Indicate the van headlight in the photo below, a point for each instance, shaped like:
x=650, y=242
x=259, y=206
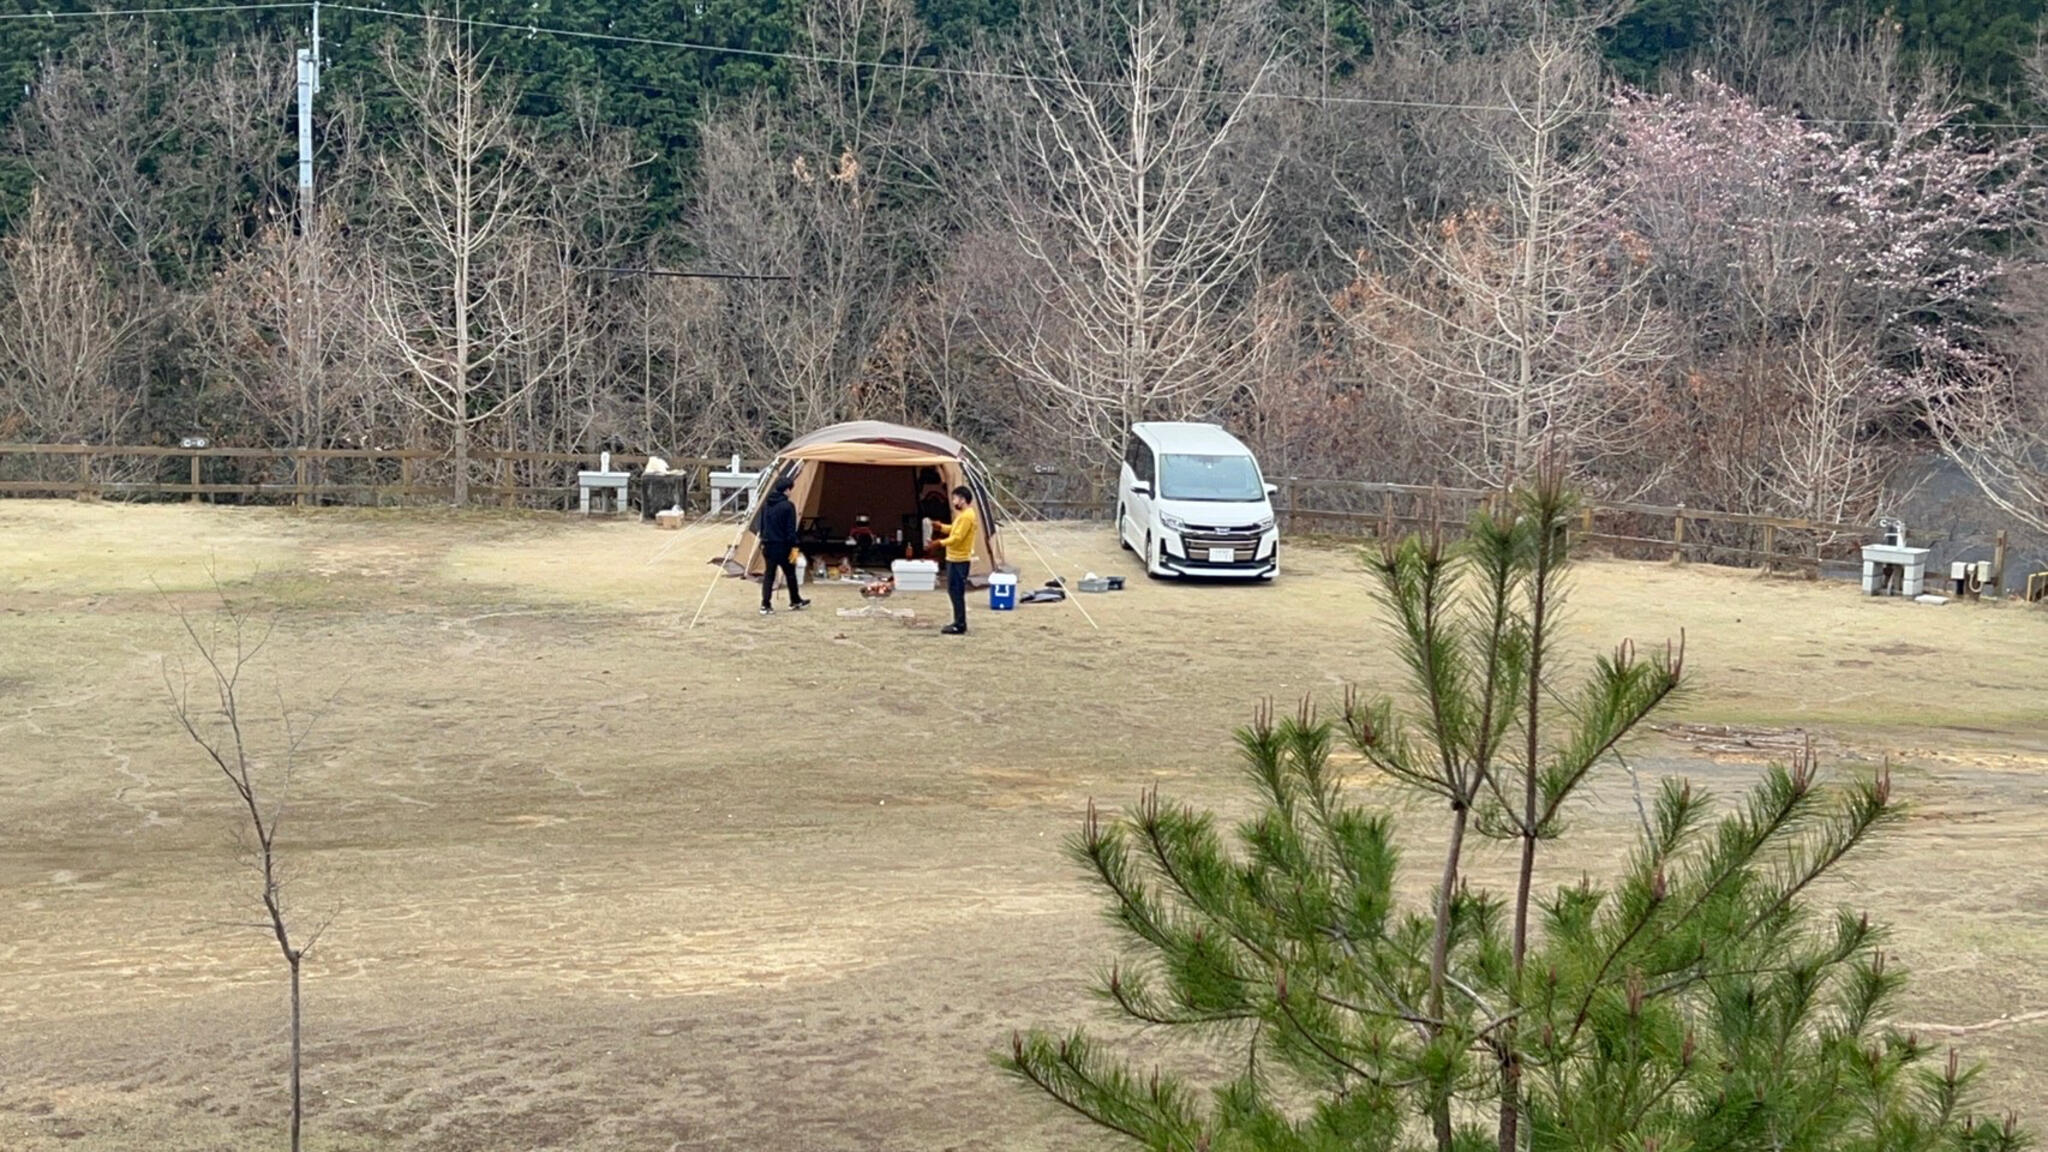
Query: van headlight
x=1172, y=523
x=1263, y=526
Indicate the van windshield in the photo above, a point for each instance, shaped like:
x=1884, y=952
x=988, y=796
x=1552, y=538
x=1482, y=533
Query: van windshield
x=1219, y=478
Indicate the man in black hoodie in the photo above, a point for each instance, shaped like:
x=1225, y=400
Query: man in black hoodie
x=778, y=545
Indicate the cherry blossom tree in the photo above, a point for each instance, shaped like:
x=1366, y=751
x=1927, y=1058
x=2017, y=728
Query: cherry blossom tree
x=1850, y=281
x=1910, y=225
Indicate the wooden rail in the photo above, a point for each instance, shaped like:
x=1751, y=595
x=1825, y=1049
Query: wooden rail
x=87, y=475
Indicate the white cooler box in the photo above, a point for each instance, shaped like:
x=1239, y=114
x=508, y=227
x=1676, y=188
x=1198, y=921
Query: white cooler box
x=916, y=575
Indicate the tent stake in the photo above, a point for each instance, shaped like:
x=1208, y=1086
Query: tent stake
x=995, y=485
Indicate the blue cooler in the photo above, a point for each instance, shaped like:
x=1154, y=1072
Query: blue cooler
x=1002, y=592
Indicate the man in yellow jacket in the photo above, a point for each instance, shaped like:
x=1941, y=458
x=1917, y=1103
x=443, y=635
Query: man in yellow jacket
x=959, y=539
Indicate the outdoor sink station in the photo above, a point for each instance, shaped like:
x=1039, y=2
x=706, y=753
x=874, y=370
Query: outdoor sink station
x=1891, y=552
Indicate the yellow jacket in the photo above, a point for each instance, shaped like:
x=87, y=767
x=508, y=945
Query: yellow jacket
x=959, y=536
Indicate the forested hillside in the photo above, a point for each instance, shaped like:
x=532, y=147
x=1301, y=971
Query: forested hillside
x=1739, y=254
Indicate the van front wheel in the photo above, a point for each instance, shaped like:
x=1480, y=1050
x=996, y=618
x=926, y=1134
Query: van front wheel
x=1123, y=540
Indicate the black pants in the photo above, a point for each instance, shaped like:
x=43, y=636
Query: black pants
x=778, y=558
x=956, y=587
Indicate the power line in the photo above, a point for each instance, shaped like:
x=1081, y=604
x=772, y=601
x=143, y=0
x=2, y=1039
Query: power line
x=937, y=70
x=103, y=13
x=680, y=273
x=933, y=70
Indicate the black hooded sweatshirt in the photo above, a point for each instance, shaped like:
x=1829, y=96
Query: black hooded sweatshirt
x=778, y=521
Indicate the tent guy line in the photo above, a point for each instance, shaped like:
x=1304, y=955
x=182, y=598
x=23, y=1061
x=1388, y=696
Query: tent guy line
x=997, y=486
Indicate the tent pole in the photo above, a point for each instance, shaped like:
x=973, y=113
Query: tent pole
x=720, y=574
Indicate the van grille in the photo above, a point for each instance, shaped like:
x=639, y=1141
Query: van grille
x=1243, y=542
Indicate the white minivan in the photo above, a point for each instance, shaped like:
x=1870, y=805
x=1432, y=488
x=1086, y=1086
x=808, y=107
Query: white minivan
x=1191, y=501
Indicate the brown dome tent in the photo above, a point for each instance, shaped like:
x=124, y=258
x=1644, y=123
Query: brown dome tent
x=892, y=475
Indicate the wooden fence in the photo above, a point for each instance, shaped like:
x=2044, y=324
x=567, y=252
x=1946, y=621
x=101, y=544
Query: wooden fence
x=1310, y=506
x=1359, y=509
x=310, y=475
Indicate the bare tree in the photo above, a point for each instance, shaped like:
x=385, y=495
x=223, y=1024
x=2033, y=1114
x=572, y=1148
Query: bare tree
x=224, y=731
x=1405, y=150
x=803, y=191
x=1996, y=431
x=1525, y=327
x=62, y=333
x=95, y=116
x=1140, y=249
x=684, y=401
x=1831, y=64
x=283, y=325
x=1826, y=465
x=1306, y=417
x=162, y=163
x=762, y=210
x=459, y=262
x=1999, y=437
x=947, y=321
x=568, y=308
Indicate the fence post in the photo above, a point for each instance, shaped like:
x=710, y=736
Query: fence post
x=299, y=480
x=1998, y=565
x=404, y=479
x=1293, y=506
x=1387, y=525
x=1586, y=524
x=192, y=497
x=1770, y=548
x=85, y=491
x=1678, y=536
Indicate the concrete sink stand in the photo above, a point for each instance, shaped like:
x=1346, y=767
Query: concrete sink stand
x=1894, y=551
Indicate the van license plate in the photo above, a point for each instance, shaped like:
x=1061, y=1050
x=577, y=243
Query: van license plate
x=1222, y=555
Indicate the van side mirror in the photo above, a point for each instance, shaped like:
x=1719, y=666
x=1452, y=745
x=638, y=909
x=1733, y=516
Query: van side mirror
x=1272, y=490
x=1141, y=488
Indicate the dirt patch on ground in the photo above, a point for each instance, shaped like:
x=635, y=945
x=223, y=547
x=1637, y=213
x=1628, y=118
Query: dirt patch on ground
x=601, y=880
x=1749, y=742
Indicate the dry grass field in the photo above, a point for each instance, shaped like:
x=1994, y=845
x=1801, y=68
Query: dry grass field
x=598, y=880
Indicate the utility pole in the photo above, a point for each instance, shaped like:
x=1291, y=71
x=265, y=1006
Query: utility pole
x=309, y=86
x=309, y=431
